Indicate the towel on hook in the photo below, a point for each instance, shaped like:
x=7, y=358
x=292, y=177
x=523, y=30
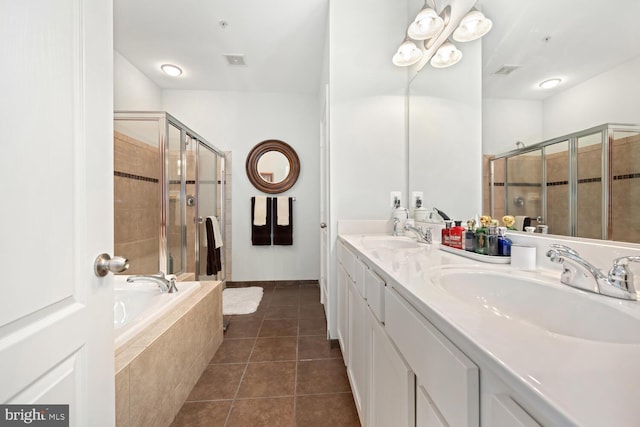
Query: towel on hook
x=217, y=234
x=283, y=211
x=259, y=209
x=522, y=222
x=283, y=234
x=261, y=234
x=214, y=256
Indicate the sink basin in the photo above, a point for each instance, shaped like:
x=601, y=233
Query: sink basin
x=390, y=242
x=552, y=307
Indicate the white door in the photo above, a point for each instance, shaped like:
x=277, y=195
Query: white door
x=56, y=133
x=324, y=204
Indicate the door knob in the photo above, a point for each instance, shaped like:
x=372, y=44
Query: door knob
x=105, y=264
x=323, y=225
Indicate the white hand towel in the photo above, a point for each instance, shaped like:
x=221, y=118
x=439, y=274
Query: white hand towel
x=519, y=224
x=217, y=235
x=283, y=211
x=260, y=211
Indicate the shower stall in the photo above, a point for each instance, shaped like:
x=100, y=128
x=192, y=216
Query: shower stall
x=585, y=184
x=167, y=181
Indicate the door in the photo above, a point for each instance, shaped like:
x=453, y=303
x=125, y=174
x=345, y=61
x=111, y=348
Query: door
x=56, y=315
x=324, y=203
x=209, y=183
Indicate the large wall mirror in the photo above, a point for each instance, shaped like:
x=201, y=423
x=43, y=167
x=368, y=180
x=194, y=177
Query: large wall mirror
x=273, y=166
x=532, y=41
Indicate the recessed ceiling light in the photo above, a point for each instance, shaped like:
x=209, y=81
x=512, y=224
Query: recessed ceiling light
x=551, y=83
x=171, y=70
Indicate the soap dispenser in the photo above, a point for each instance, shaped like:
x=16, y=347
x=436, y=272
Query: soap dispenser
x=400, y=216
x=420, y=213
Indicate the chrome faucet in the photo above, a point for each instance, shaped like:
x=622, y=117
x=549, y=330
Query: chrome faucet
x=580, y=273
x=423, y=236
x=165, y=284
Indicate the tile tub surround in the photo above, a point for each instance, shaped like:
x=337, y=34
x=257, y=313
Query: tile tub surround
x=136, y=202
x=275, y=367
x=156, y=372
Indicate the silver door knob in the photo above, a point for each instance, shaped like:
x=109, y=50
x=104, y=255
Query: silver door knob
x=323, y=225
x=105, y=264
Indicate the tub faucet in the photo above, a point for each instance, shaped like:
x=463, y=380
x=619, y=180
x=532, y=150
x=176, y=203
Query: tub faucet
x=165, y=284
x=580, y=273
x=423, y=236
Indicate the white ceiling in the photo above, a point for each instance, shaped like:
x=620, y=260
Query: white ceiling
x=283, y=42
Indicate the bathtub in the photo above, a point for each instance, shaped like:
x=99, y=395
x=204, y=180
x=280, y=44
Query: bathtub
x=138, y=305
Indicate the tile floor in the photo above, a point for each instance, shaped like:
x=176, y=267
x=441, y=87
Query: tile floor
x=274, y=368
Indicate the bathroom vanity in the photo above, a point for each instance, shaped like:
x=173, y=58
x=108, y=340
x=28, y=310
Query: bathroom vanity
x=432, y=338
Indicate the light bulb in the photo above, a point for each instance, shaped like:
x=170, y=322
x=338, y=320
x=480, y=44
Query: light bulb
x=171, y=70
x=446, y=56
x=408, y=54
x=426, y=25
x=473, y=26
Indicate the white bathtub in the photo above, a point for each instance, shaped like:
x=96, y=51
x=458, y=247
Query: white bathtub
x=138, y=305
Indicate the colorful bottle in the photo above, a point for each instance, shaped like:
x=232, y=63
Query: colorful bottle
x=456, y=234
x=492, y=241
x=481, y=235
x=504, y=243
x=470, y=236
x=446, y=236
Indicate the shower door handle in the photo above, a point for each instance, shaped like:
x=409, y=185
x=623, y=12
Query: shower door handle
x=198, y=220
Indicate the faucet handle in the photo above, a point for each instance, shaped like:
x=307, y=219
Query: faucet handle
x=563, y=248
x=620, y=276
x=625, y=260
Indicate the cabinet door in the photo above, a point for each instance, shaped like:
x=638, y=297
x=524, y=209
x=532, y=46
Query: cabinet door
x=427, y=415
x=343, y=307
x=507, y=413
x=449, y=376
x=374, y=292
x=358, y=360
x=392, y=383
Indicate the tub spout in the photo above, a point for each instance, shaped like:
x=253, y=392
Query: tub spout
x=166, y=284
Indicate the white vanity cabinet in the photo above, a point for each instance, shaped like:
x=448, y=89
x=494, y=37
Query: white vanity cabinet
x=392, y=383
x=357, y=347
x=448, y=377
x=507, y=413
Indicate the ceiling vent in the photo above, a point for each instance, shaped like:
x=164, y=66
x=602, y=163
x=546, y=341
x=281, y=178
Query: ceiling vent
x=505, y=70
x=235, y=59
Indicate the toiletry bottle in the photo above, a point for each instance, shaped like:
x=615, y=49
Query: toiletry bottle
x=470, y=236
x=492, y=241
x=481, y=235
x=446, y=236
x=504, y=243
x=455, y=235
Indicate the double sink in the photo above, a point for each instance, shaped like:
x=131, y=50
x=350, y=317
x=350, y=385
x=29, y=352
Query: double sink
x=537, y=299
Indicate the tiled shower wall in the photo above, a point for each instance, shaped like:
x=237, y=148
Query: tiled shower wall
x=136, y=203
x=625, y=193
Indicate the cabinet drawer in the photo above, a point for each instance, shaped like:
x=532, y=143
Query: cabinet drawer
x=349, y=262
x=507, y=413
x=359, y=272
x=449, y=377
x=374, y=293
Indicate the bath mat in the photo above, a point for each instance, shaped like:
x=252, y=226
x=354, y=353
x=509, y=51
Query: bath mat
x=241, y=300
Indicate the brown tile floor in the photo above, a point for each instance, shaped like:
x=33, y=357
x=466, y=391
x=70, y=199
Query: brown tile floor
x=275, y=367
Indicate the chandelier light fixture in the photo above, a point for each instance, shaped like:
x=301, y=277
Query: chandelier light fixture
x=432, y=30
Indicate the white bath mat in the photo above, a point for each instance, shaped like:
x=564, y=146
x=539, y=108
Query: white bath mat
x=241, y=300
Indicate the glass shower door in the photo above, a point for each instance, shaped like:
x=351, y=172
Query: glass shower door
x=174, y=209
x=209, y=185
x=624, y=180
x=524, y=185
x=588, y=206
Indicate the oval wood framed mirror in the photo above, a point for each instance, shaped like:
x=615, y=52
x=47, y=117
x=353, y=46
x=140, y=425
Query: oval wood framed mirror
x=273, y=166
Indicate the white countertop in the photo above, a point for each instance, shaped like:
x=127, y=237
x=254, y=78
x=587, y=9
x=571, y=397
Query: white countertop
x=571, y=381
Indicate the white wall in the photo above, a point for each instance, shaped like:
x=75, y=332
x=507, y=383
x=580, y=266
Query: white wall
x=506, y=121
x=445, y=125
x=367, y=134
x=611, y=97
x=237, y=121
x=132, y=90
